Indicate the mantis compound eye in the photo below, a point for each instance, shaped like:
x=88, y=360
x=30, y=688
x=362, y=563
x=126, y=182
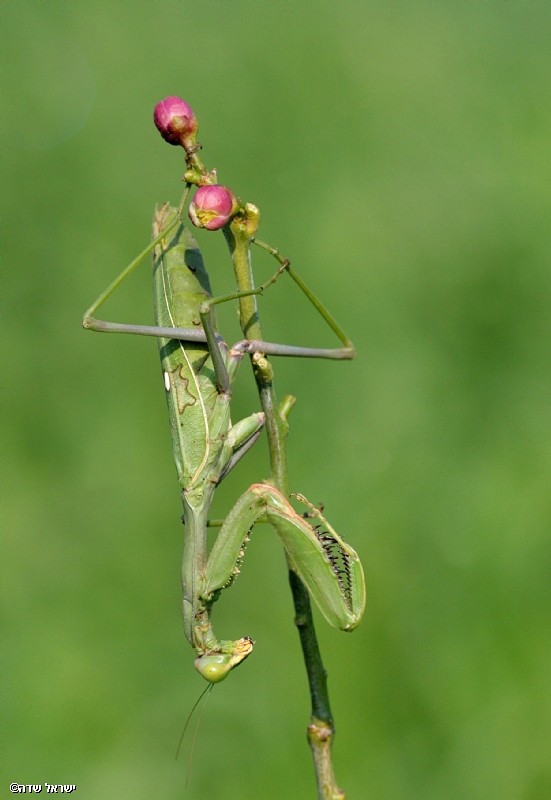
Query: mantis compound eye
x=214, y=668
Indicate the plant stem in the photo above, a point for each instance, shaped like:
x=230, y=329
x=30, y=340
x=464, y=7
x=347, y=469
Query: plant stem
x=321, y=729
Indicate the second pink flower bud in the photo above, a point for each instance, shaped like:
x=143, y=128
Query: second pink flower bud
x=212, y=207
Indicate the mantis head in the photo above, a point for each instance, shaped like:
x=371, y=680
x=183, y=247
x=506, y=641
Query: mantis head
x=214, y=667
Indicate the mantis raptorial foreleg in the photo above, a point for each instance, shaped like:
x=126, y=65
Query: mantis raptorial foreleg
x=328, y=566
x=198, y=372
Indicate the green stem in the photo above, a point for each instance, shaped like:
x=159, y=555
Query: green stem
x=321, y=729
x=276, y=425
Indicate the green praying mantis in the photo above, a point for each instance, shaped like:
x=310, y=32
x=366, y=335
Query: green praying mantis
x=198, y=373
x=199, y=370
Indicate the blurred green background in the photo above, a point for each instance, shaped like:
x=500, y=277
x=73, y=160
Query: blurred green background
x=399, y=153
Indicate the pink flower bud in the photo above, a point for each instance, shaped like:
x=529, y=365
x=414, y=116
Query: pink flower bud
x=175, y=121
x=212, y=207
